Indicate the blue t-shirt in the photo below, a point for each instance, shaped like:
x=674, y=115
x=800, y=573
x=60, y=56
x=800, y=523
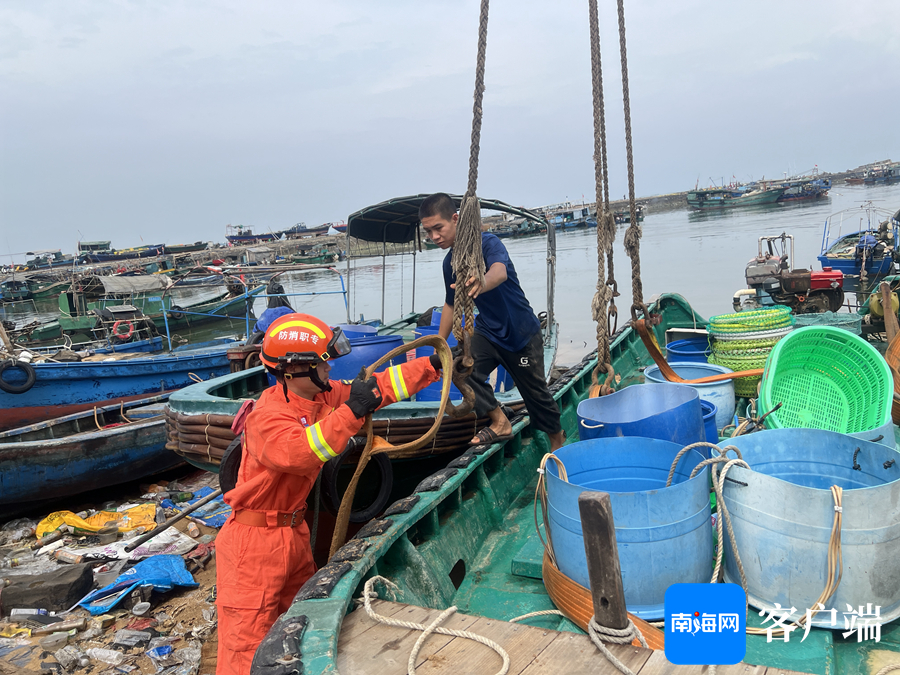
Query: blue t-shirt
x=504, y=315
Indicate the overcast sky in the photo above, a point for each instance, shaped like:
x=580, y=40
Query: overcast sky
x=165, y=121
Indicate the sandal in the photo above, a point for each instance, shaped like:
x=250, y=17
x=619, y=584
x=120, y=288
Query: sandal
x=488, y=436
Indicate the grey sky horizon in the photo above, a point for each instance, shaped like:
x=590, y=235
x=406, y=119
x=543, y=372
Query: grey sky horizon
x=163, y=122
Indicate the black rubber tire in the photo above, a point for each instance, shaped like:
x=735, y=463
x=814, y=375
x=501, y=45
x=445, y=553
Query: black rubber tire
x=231, y=464
x=331, y=495
x=30, y=377
x=176, y=312
x=255, y=338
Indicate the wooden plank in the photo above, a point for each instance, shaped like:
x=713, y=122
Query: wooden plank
x=658, y=665
x=521, y=642
x=357, y=622
x=576, y=655
x=385, y=649
x=604, y=571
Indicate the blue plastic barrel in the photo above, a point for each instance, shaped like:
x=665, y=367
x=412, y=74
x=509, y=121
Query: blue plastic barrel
x=356, y=330
x=783, y=514
x=709, y=422
x=364, y=352
x=669, y=412
x=721, y=394
x=663, y=534
x=693, y=349
x=433, y=391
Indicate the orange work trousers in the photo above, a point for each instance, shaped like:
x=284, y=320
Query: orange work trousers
x=258, y=572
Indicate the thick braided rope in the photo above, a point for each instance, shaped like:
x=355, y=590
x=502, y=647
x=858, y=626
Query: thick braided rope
x=888, y=668
x=600, y=634
x=543, y=612
x=633, y=233
x=467, y=260
x=434, y=627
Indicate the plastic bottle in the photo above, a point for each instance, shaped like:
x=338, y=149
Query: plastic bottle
x=22, y=611
x=109, y=656
x=56, y=535
x=68, y=557
x=193, y=530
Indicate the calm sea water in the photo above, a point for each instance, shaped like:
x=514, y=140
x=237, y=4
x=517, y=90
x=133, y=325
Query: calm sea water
x=699, y=255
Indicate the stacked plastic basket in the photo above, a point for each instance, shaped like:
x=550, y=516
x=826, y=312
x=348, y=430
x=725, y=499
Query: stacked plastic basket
x=743, y=341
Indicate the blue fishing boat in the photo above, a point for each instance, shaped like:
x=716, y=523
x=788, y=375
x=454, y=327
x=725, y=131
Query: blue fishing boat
x=861, y=239
x=32, y=393
x=89, y=450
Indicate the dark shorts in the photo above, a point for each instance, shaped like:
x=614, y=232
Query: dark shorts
x=526, y=367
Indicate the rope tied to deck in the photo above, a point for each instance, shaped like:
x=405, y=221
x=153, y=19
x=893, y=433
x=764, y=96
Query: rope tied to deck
x=434, y=627
x=600, y=634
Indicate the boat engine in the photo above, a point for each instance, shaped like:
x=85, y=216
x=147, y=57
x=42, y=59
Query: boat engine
x=772, y=281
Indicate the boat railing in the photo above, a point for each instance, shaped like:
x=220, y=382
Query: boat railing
x=248, y=296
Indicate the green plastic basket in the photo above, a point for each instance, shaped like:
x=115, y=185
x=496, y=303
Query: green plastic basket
x=826, y=378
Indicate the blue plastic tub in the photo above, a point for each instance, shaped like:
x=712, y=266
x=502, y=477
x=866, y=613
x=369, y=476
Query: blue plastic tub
x=709, y=422
x=783, y=515
x=721, y=394
x=694, y=349
x=663, y=534
x=669, y=412
x=357, y=330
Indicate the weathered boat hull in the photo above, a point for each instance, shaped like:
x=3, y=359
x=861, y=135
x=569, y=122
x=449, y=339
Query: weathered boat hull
x=65, y=388
x=35, y=465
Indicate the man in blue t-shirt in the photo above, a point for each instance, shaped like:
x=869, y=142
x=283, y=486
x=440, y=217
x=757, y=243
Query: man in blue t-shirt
x=507, y=332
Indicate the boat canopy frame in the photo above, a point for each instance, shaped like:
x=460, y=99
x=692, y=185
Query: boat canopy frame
x=396, y=221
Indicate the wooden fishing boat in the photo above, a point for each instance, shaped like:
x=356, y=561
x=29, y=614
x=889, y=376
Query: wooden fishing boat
x=625, y=216
x=13, y=290
x=466, y=538
x=84, y=307
x=85, y=451
x=863, y=238
x=32, y=393
x=725, y=198
x=185, y=248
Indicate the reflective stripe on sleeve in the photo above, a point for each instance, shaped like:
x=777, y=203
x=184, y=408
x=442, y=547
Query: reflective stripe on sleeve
x=398, y=383
x=318, y=443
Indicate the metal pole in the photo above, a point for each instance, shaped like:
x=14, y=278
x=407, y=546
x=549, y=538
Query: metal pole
x=349, y=276
x=551, y=275
x=383, y=272
x=412, y=306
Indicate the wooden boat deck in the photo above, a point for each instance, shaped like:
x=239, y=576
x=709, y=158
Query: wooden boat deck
x=365, y=646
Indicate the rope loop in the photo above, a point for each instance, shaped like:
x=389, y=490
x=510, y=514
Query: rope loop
x=600, y=634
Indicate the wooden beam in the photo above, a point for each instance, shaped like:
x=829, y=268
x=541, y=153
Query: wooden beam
x=604, y=571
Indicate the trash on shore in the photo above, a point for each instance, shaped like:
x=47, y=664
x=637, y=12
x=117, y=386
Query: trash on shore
x=75, y=601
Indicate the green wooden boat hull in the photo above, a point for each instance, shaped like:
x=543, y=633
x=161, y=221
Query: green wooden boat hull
x=467, y=539
x=750, y=199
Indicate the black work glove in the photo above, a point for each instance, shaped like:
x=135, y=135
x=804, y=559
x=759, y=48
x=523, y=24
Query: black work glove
x=435, y=359
x=364, y=395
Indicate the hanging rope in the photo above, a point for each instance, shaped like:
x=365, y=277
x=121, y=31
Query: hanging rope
x=468, y=261
x=603, y=306
x=633, y=234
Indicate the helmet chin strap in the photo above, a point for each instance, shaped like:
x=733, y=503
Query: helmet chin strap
x=312, y=374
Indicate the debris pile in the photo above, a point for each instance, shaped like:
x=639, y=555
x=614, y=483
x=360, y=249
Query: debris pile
x=80, y=593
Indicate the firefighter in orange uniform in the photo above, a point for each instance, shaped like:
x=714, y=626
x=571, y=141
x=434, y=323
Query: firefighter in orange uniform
x=263, y=553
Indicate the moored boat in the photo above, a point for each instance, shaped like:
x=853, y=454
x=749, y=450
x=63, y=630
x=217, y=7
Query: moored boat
x=32, y=393
x=861, y=240
x=726, y=198
x=94, y=449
